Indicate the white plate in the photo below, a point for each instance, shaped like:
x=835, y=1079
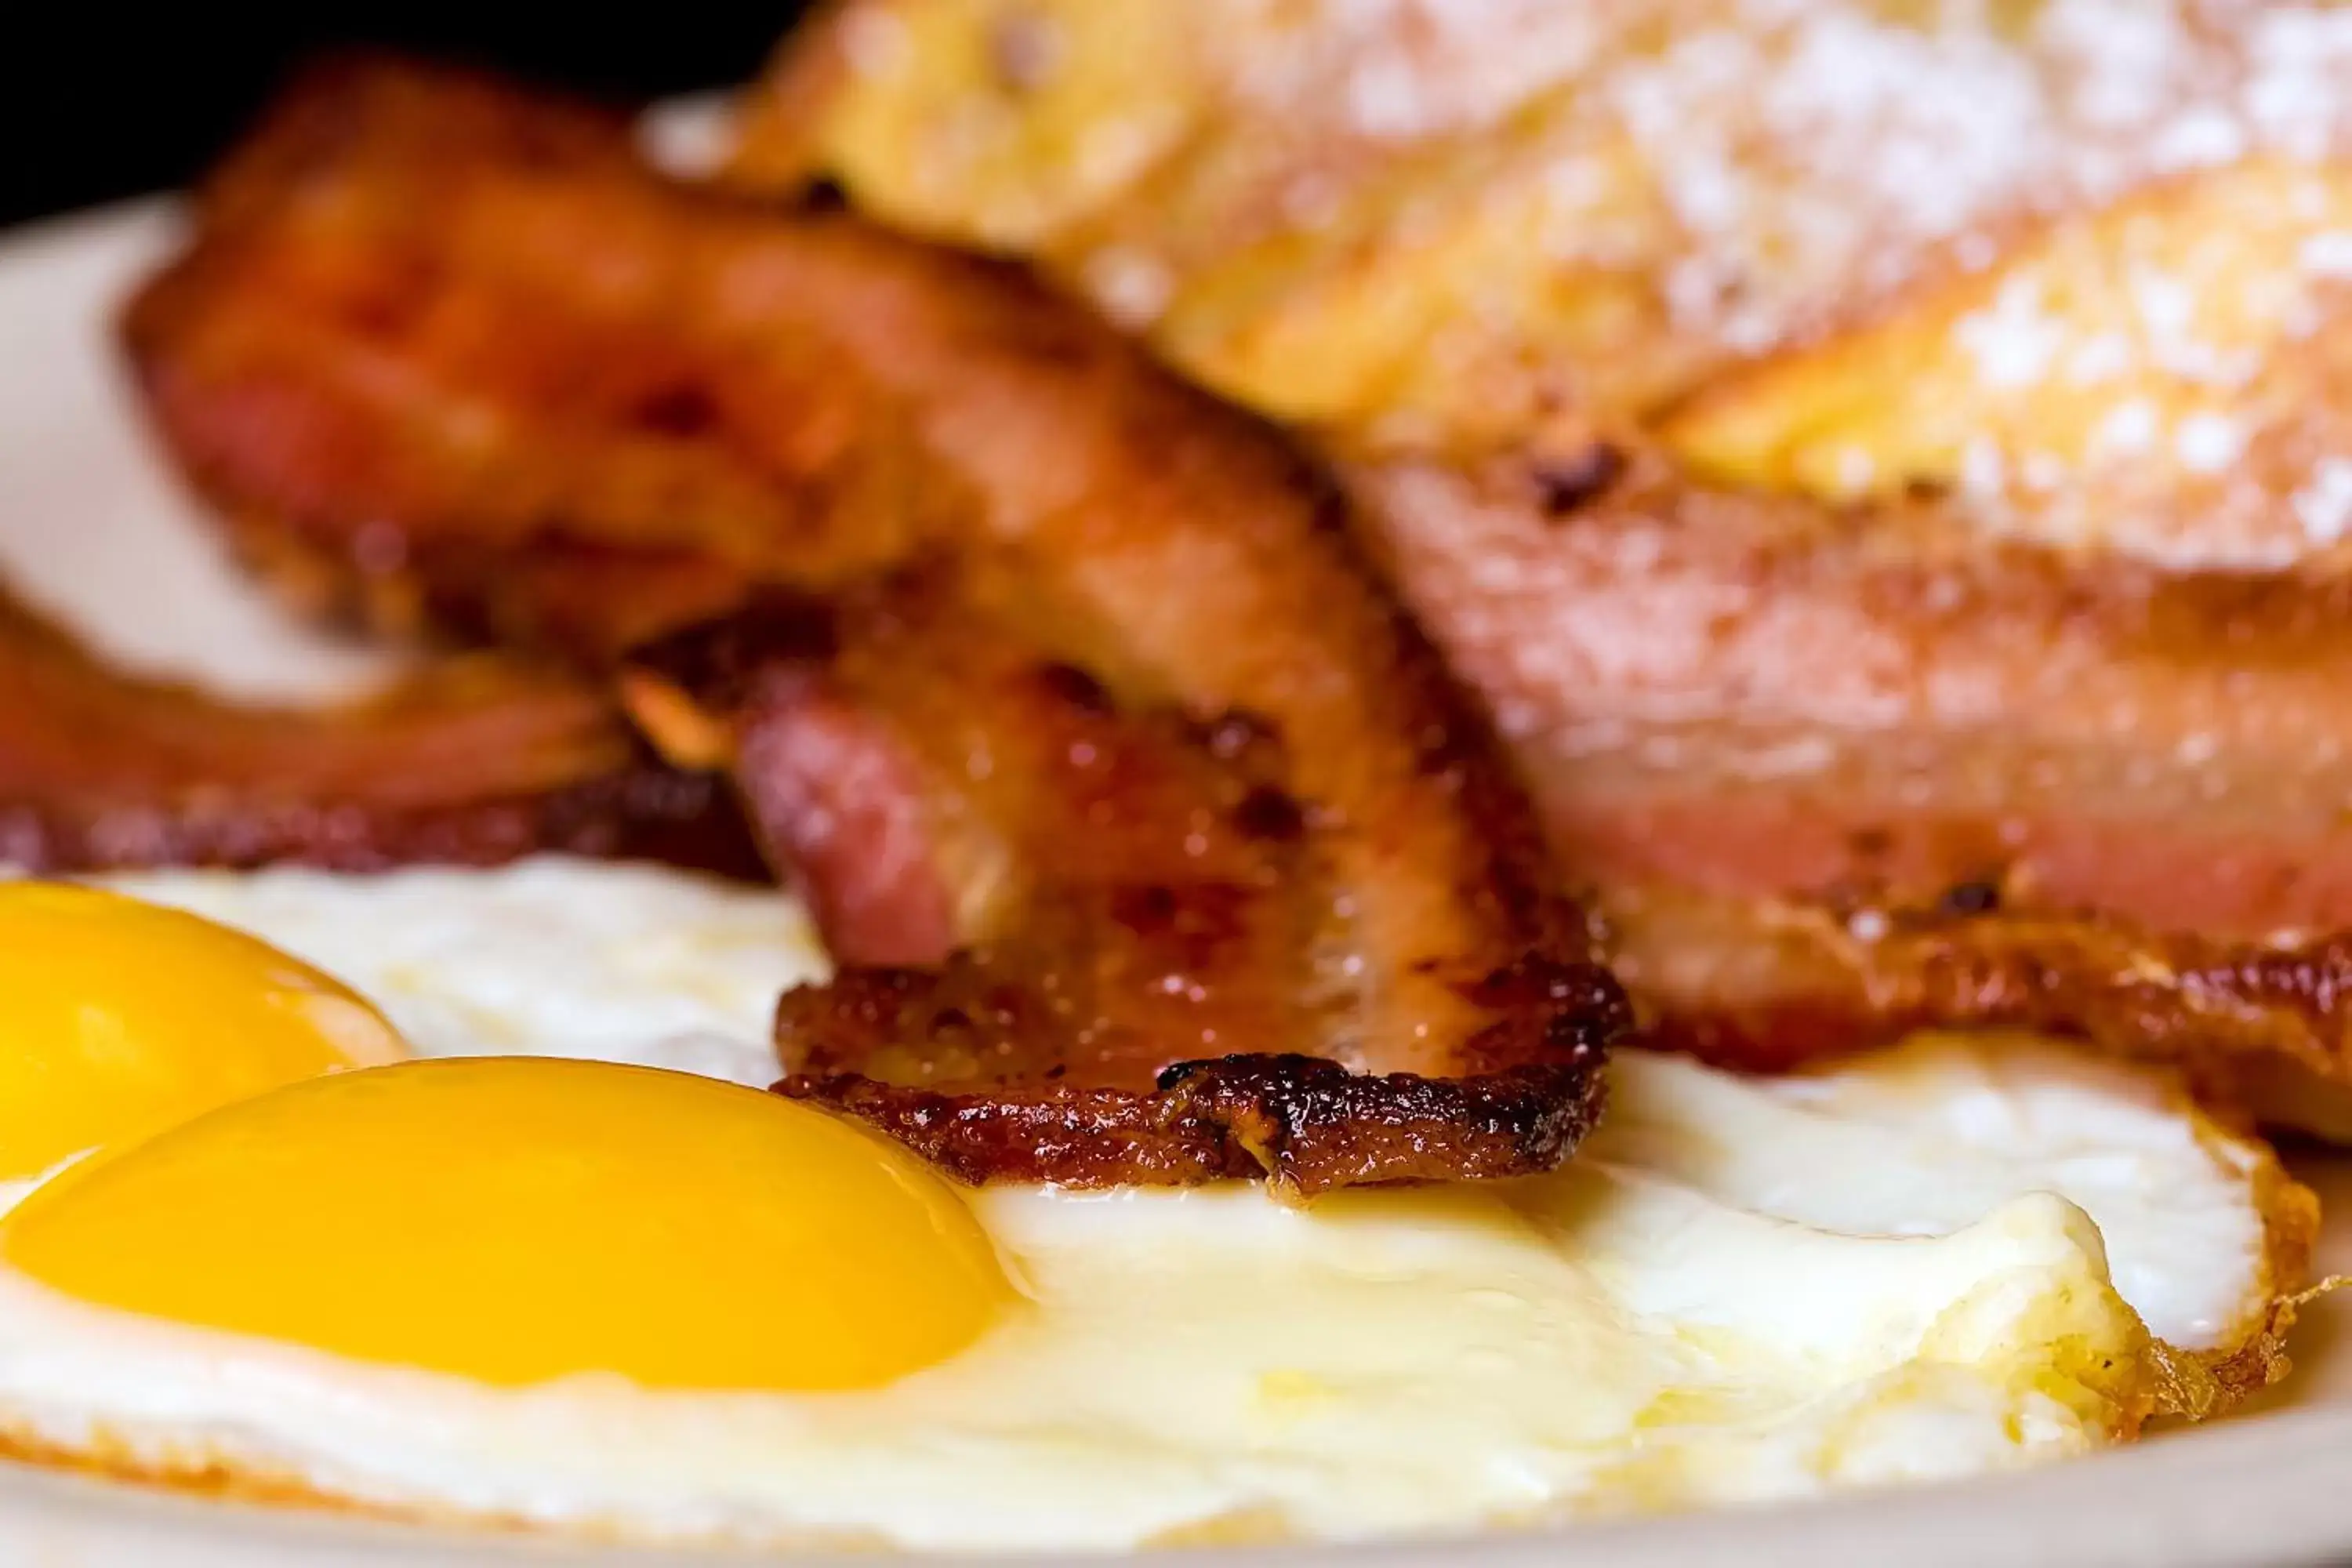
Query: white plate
x=91, y=529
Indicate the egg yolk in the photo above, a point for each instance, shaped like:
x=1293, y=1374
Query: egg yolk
x=120, y=1019
x=512, y=1220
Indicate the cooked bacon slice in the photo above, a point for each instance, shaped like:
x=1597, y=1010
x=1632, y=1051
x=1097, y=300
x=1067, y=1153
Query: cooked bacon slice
x=1832, y=777
x=1891, y=491
x=1155, y=843
x=1767, y=983
x=1064, y=916
x=473, y=761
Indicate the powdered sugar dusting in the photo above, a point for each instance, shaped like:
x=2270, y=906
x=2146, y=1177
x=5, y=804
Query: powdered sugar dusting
x=2017, y=342
x=1803, y=146
x=2324, y=507
x=1403, y=69
x=2091, y=255
x=1806, y=146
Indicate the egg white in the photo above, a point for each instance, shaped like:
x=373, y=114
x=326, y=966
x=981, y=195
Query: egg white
x=1387, y=1363
x=549, y=956
x=1931, y=1135
x=560, y=957
x=1740, y=1290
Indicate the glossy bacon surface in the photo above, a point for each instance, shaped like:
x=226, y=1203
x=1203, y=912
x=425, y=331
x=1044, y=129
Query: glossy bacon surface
x=1156, y=844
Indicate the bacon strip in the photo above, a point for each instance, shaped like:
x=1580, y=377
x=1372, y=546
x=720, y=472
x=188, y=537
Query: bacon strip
x=1909, y=598
x=473, y=761
x=1830, y=778
x=1156, y=845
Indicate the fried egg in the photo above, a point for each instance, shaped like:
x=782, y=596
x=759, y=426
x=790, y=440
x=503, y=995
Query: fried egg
x=122, y=1018
x=601, y=1297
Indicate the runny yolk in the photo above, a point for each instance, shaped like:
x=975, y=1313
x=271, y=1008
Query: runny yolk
x=512, y=1220
x=120, y=1019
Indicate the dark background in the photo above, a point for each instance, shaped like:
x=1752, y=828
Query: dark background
x=109, y=102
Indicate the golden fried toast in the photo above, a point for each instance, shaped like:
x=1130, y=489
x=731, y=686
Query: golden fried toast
x=1886, y=463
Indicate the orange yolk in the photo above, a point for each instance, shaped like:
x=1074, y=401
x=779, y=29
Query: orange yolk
x=512, y=1220
x=118, y=1019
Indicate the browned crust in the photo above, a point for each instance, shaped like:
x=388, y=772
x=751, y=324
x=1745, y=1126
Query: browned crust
x=2199, y=1386
x=215, y=1480
x=1767, y=983
x=1105, y=718
x=1304, y=1123
x=207, y=1478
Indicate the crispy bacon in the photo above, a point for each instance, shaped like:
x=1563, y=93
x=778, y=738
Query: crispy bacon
x=471, y=761
x=1768, y=984
x=1155, y=843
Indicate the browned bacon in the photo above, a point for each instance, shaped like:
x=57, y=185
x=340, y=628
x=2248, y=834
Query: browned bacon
x=1155, y=842
x=1883, y=465
x=1831, y=777
x=472, y=760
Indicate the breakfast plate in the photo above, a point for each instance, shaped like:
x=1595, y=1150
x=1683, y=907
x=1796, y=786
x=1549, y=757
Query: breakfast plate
x=90, y=529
